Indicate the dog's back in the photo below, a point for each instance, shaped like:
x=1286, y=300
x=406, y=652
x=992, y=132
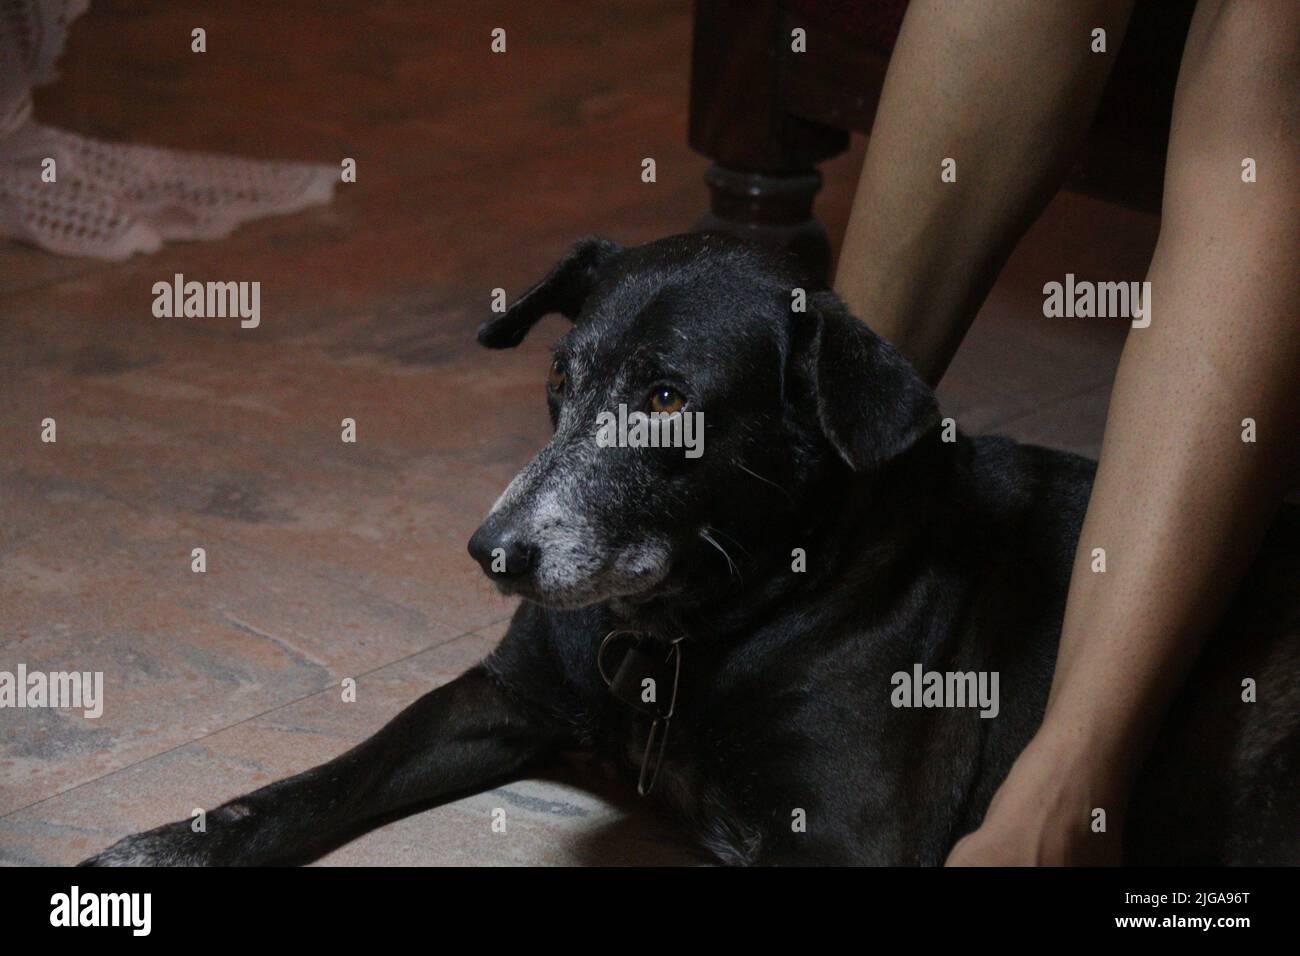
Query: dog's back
x=999, y=538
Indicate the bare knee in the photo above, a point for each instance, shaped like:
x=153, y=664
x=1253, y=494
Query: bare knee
x=1245, y=47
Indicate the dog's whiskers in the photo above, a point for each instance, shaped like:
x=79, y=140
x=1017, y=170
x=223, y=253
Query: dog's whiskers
x=732, y=539
x=766, y=481
x=731, y=565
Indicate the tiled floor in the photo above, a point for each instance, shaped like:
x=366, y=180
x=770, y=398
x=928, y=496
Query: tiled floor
x=328, y=560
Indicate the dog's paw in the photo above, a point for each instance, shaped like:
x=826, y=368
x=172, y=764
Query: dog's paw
x=173, y=844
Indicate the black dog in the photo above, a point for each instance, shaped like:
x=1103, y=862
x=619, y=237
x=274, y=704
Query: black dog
x=761, y=600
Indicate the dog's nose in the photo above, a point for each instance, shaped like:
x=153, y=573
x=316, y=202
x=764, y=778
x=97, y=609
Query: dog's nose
x=501, y=550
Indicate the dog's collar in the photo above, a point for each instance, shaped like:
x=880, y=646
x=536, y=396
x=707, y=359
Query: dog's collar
x=638, y=682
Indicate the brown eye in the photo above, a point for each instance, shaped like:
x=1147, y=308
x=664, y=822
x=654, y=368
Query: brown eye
x=665, y=400
x=556, y=377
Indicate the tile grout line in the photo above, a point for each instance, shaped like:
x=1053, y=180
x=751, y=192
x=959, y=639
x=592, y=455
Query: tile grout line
x=1055, y=403
x=184, y=520
x=477, y=632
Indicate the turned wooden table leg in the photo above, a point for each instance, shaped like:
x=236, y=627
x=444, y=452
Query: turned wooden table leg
x=774, y=209
x=764, y=175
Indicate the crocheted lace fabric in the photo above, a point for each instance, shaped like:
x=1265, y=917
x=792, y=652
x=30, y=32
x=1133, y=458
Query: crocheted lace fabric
x=110, y=200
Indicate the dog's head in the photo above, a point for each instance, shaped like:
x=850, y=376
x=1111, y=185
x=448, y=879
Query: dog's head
x=739, y=384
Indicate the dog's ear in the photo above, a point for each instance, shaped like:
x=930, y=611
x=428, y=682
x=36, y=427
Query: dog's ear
x=870, y=403
x=563, y=290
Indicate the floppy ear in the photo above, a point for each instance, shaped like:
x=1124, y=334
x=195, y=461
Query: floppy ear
x=563, y=290
x=870, y=402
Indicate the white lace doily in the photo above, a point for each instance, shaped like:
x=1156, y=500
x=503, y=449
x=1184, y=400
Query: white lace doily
x=111, y=200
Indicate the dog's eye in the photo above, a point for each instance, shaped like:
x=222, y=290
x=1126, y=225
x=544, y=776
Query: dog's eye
x=557, y=376
x=666, y=400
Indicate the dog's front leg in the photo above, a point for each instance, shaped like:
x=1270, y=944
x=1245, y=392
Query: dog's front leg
x=456, y=739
